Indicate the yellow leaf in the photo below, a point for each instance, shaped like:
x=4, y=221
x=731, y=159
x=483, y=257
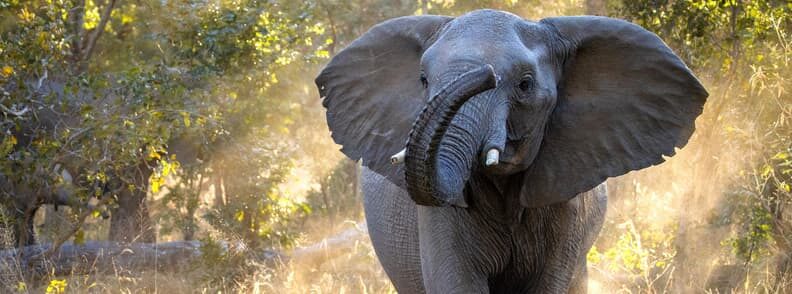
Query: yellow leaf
x=166, y=168
x=42, y=38
x=91, y=15
x=153, y=154
x=7, y=145
x=56, y=286
x=186, y=118
x=593, y=256
x=26, y=15
x=7, y=71
x=126, y=18
x=781, y=155
x=101, y=177
x=79, y=237
x=155, y=182
x=766, y=170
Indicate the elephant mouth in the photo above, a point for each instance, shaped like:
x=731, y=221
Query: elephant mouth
x=436, y=173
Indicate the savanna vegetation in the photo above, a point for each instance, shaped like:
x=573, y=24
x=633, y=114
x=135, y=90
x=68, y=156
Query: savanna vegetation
x=194, y=129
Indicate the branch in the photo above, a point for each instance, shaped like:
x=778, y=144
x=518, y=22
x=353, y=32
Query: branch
x=97, y=32
x=98, y=256
x=75, y=22
x=17, y=113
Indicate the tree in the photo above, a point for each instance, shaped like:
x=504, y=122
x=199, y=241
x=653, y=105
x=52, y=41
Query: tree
x=107, y=92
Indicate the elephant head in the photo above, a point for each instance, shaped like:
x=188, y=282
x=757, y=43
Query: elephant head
x=555, y=106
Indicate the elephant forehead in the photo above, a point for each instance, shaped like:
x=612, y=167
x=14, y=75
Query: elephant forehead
x=485, y=20
x=481, y=26
x=486, y=36
x=472, y=53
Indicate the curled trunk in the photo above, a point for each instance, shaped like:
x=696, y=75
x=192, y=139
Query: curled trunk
x=428, y=184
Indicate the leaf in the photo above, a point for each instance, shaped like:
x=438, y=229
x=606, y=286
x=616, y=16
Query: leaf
x=155, y=182
x=7, y=145
x=783, y=155
x=593, y=256
x=7, y=71
x=153, y=154
x=79, y=237
x=323, y=53
x=186, y=118
x=56, y=286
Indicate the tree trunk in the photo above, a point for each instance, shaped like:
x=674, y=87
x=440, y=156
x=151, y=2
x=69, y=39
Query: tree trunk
x=130, y=221
x=23, y=228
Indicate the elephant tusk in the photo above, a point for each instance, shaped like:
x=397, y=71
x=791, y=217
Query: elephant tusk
x=492, y=157
x=398, y=157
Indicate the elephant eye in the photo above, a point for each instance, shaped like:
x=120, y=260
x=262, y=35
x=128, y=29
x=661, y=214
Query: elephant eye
x=527, y=83
x=424, y=81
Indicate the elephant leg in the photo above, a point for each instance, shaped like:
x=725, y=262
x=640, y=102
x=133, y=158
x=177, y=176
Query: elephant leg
x=596, y=204
x=573, y=232
x=393, y=229
x=460, y=250
x=563, y=251
x=579, y=283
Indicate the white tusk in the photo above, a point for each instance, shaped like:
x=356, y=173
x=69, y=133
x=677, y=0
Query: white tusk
x=492, y=157
x=398, y=157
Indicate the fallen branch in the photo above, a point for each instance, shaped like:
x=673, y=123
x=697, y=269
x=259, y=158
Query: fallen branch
x=178, y=256
x=330, y=247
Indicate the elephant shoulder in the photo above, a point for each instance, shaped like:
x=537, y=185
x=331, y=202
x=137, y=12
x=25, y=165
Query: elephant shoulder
x=595, y=200
x=373, y=183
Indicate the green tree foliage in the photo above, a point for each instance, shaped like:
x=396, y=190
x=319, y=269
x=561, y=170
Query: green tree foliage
x=738, y=158
x=119, y=94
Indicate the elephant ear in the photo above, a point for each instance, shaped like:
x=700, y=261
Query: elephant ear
x=625, y=100
x=372, y=91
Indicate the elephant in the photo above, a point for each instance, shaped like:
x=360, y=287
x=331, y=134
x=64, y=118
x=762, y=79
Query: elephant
x=486, y=139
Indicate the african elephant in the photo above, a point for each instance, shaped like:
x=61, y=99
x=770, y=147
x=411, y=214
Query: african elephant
x=506, y=129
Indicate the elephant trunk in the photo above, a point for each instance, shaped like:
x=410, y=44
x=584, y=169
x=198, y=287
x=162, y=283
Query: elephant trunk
x=436, y=173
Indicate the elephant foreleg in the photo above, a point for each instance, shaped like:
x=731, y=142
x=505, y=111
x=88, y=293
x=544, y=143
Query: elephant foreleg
x=458, y=251
x=579, y=283
x=392, y=225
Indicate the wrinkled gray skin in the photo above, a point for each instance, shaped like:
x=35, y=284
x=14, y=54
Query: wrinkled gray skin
x=567, y=102
x=547, y=256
